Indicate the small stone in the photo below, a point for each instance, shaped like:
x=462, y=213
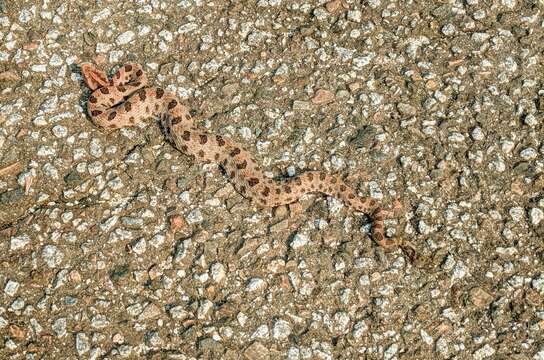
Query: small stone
x=19, y=242
x=480, y=298
x=448, y=29
x=153, y=339
x=139, y=246
x=390, y=352
x=299, y=240
x=517, y=213
x=261, y=332
x=257, y=351
x=218, y=272
x=354, y=86
x=125, y=38
x=536, y=215
x=301, y=105
x=16, y=332
x=11, y=288
x=229, y=90
x=59, y=131
x=178, y=224
x=322, y=96
x=150, y=311
x=477, y=134
x=195, y=216
x=281, y=329
x=96, y=148
x=341, y=322
x=52, y=256
x=82, y=343
x=355, y=15
x=118, y=338
x=99, y=321
x=333, y=6
x=178, y=312
x=406, y=109
x=530, y=120
x=59, y=327
x=528, y=154
x=133, y=222
x=255, y=284
x=484, y=352
x=204, y=309
x=210, y=345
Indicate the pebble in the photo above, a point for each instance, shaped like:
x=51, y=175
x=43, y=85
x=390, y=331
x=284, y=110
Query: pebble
x=256, y=351
x=448, y=30
x=151, y=311
x=333, y=6
x=194, y=217
x=530, y=120
x=125, y=38
x=139, y=246
x=281, y=329
x=528, y=154
x=484, y=352
x=480, y=298
x=59, y=327
x=255, y=284
x=406, y=109
x=299, y=240
x=19, y=242
x=517, y=213
x=204, y=309
x=218, y=272
x=536, y=215
x=301, y=105
x=178, y=312
x=322, y=96
x=355, y=15
x=82, y=343
x=60, y=131
x=52, y=256
x=11, y=288
x=477, y=134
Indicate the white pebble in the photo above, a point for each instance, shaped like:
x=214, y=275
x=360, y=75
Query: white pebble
x=139, y=246
x=52, y=255
x=11, y=288
x=477, y=134
x=125, y=38
x=204, y=309
x=39, y=68
x=299, y=240
x=59, y=131
x=516, y=213
x=530, y=120
x=528, y=154
x=536, y=215
x=448, y=29
x=194, y=217
x=281, y=329
x=19, y=242
x=255, y=284
x=218, y=272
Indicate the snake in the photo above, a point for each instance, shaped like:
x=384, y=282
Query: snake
x=126, y=99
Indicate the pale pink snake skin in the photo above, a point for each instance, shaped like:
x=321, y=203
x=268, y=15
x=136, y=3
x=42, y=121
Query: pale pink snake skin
x=125, y=100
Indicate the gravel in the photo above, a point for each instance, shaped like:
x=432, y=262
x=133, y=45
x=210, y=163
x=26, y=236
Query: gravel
x=434, y=109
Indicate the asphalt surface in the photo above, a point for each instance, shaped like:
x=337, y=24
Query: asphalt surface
x=115, y=245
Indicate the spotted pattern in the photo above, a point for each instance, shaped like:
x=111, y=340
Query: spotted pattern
x=125, y=100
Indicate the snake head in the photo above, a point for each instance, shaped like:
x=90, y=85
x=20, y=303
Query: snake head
x=94, y=78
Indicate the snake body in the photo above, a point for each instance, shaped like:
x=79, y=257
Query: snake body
x=126, y=100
